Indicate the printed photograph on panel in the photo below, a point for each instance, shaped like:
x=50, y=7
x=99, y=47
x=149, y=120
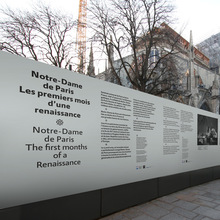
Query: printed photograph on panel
x=207, y=130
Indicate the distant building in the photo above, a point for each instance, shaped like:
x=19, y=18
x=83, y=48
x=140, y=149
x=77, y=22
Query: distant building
x=211, y=48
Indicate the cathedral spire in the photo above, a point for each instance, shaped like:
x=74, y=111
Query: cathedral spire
x=111, y=53
x=191, y=47
x=91, y=68
x=191, y=85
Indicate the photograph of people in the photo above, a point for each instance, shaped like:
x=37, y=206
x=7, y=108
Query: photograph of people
x=207, y=130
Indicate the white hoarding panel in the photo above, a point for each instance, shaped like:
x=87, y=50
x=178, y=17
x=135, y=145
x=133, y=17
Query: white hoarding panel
x=64, y=133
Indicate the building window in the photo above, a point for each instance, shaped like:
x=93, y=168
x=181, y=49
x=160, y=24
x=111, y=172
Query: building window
x=153, y=58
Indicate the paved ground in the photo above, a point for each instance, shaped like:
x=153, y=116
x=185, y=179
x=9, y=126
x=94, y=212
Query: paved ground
x=199, y=203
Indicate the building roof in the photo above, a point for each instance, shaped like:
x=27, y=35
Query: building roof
x=199, y=56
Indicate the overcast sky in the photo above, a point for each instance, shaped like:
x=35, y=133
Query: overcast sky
x=200, y=16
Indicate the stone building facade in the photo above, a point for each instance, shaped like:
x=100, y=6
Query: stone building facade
x=199, y=82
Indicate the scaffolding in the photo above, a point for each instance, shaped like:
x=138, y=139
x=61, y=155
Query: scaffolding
x=81, y=36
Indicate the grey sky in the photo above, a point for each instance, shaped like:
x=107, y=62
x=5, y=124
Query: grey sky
x=200, y=16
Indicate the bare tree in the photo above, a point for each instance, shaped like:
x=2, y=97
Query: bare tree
x=141, y=26
x=42, y=34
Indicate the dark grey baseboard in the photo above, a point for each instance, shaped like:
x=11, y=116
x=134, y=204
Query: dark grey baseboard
x=173, y=183
x=120, y=197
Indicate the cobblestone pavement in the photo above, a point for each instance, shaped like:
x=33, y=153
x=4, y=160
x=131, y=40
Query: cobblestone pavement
x=199, y=203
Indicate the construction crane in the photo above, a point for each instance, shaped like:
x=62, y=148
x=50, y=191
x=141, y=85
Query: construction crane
x=81, y=36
